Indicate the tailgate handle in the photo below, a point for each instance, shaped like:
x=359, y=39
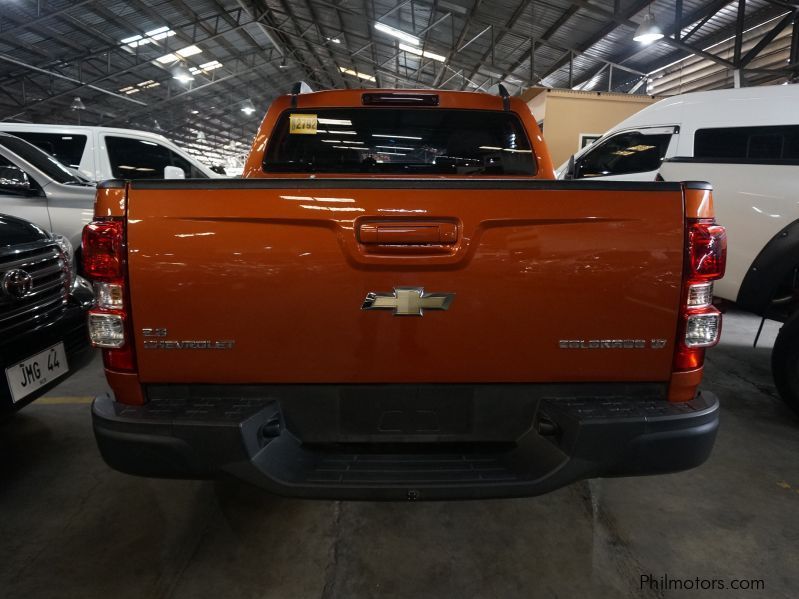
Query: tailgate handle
x=427, y=233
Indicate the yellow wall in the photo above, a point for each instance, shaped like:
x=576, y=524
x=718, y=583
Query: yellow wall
x=567, y=114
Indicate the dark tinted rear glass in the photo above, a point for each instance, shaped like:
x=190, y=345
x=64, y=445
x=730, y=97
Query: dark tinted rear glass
x=626, y=153
x=40, y=159
x=400, y=141
x=140, y=159
x=67, y=149
x=749, y=144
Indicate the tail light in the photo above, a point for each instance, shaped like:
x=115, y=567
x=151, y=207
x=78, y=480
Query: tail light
x=700, y=322
x=707, y=249
x=109, y=321
x=399, y=99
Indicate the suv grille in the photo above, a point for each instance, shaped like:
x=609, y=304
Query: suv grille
x=48, y=297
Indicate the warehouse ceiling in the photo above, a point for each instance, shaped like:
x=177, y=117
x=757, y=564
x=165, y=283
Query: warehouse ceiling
x=235, y=56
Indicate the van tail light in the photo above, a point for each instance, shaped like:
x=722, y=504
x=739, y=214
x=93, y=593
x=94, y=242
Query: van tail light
x=109, y=321
x=700, y=322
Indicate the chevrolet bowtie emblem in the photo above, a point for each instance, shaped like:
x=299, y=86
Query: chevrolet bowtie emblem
x=407, y=301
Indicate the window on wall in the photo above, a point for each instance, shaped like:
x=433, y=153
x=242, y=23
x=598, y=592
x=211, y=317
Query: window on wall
x=144, y=159
x=623, y=154
x=769, y=145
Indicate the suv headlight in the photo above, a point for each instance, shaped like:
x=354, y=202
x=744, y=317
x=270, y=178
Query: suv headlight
x=66, y=249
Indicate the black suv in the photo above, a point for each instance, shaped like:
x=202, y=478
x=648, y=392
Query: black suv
x=43, y=304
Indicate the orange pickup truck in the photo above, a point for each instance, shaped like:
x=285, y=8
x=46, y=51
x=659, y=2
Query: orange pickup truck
x=399, y=301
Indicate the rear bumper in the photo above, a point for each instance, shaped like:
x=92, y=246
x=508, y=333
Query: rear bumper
x=569, y=438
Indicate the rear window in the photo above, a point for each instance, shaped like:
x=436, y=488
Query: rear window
x=143, y=159
x=400, y=141
x=779, y=144
x=67, y=149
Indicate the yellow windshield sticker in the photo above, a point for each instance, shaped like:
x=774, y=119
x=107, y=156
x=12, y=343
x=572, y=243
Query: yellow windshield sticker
x=302, y=124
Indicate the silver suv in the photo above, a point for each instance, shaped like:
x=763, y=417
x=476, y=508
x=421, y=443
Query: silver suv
x=38, y=188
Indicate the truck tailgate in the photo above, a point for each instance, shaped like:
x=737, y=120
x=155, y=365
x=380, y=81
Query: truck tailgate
x=263, y=281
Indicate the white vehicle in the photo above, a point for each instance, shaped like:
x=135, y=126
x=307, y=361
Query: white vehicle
x=38, y=188
x=100, y=153
x=745, y=142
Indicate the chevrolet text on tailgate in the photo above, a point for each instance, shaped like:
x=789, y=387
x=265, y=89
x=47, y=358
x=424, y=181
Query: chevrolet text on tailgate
x=399, y=301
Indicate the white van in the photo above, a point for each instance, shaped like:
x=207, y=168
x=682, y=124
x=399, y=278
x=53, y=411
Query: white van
x=100, y=153
x=745, y=142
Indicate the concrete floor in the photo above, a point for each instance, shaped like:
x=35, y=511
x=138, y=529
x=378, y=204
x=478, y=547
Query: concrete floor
x=70, y=527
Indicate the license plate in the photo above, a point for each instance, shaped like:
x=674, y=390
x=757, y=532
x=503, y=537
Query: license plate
x=35, y=372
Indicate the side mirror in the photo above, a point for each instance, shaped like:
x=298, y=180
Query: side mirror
x=570, y=169
x=174, y=172
x=14, y=180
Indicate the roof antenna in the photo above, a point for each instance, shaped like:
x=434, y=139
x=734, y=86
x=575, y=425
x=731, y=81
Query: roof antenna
x=503, y=92
x=300, y=87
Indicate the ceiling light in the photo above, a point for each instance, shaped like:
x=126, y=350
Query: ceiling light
x=200, y=136
x=148, y=38
x=182, y=74
x=188, y=51
x=77, y=104
x=160, y=33
x=648, y=31
x=178, y=54
x=423, y=53
x=206, y=67
x=247, y=107
x=411, y=39
x=133, y=40
x=210, y=66
x=333, y=40
x=357, y=74
x=397, y=147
